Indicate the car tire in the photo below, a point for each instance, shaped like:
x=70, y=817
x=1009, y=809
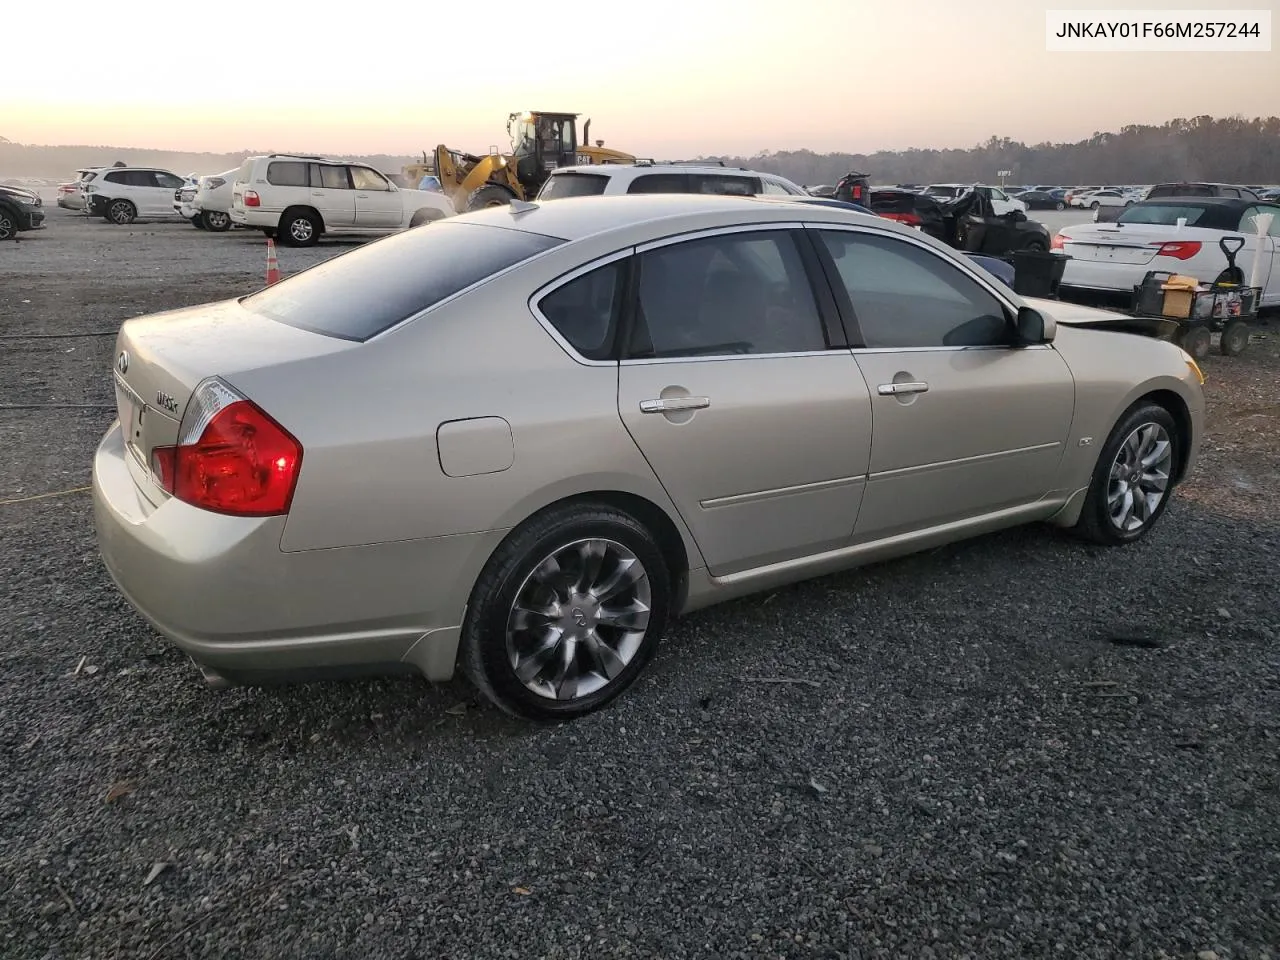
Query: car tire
x=1059, y=205
x=1196, y=339
x=8, y=225
x=489, y=195
x=121, y=213
x=299, y=227
x=1235, y=338
x=1140, y=456
x=1094, y=205
x=197, y=223
x=215, y=221
x=542, y=576
x=425, y=215
x=1035, y=246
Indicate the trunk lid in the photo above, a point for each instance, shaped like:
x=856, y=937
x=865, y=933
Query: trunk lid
x=161, y=359
x=1115, y=243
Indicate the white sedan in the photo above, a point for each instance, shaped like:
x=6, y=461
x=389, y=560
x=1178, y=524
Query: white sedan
x=1114, y=257
x=1105, y=198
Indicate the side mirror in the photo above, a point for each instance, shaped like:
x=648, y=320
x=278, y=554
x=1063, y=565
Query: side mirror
x=1033, y=328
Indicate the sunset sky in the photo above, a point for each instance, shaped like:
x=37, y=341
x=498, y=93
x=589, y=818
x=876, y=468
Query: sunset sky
x=658, y=77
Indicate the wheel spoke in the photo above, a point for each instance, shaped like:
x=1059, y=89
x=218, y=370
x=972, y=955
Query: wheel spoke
x=530, y=616
x=591, y=558
x=611, y=664
x=634, y=617
x=530, y=665
x=1158, y=454
x=628, y=573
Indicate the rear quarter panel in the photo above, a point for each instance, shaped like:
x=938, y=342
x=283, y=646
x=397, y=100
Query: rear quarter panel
x=368, y=419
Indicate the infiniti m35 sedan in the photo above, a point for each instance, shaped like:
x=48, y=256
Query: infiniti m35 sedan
x=518, y=441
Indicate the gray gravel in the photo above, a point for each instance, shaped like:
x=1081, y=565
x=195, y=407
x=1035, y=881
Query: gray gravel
x=976, y=768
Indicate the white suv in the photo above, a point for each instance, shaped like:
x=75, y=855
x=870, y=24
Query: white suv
x=123, y=194
x=644, y=176
x=299, y=198
x=207, y=201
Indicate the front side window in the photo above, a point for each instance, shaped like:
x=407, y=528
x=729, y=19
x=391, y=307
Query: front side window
x=737, y=293
x=169, y=181
x=585, y=310
x=362, y=178
x=905, y=296
x=771, y=189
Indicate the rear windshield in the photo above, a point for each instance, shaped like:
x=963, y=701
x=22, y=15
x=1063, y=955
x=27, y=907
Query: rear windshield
x=1183, y=190
x=359, y=294
x=563, y=185
x=1161, y=214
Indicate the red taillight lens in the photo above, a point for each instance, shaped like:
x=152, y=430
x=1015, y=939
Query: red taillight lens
x=1179, y=249
x=857, y=193
x=241, y=462
x=1057, y=243
x=910, y=219
x=251, y=199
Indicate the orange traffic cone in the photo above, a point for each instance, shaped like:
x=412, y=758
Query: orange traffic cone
x=273, y=268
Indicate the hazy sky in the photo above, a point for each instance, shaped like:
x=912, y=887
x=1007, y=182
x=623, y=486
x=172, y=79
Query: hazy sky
x=663, y=78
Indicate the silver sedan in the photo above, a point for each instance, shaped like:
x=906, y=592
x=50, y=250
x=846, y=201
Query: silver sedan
x=519, y=441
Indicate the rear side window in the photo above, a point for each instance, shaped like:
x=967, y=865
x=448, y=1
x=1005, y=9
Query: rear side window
x=660, y=183
x=573, y=185
x=585, y=310
x=287, y=173
x=362, y=293
x=116, y=176
x=1163, y=214
x=333, y=178
x=724, y=186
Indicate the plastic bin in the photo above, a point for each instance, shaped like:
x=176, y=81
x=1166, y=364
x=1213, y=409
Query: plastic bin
x=1036, y=273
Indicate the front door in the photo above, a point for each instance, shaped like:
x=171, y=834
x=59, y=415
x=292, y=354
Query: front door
x=965, y=425
x=757, y=428
x=378, y=203
x=159, y=198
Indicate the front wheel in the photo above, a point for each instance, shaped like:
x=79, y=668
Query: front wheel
x=490, y=195
x=1133, y=478
x=1059, y=205
x=1235, y=338
x=1094, y=205
x=197, y=223
x=218, y=221
x=8, y=225
x=566, y=613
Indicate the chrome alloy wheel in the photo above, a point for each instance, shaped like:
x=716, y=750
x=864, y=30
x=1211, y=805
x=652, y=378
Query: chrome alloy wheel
x=1139, y=479
x=301, y=229
x=578, y=619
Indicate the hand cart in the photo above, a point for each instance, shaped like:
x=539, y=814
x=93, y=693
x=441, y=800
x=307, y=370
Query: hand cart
x=1200, y=310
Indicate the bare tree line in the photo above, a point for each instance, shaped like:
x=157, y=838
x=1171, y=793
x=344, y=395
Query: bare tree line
x=1228, y=150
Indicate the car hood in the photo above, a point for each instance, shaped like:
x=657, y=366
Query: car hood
x=19, y=192
x=1075, y=315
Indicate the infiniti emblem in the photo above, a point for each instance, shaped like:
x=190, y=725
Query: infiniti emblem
x=122, y=361
x=579, y=617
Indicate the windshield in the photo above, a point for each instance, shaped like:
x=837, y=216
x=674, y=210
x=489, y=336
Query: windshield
x=362, y=293
x=1163, y=215
x=562, y=185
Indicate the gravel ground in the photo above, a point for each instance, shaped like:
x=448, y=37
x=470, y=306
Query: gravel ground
x=1016, y=747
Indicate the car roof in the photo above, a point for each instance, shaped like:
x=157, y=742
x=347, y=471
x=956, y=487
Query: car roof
x=654, y=215
x=1221, y=213
x=622, y=169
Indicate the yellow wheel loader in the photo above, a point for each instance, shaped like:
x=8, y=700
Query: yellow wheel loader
x=540, y=142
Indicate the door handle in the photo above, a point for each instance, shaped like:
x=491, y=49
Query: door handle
x=362, y=196
x=674, y=404
x=897, y=389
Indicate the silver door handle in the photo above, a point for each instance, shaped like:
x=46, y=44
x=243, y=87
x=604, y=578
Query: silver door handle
x=362, y=196
x=674, y=405
x=895, y=389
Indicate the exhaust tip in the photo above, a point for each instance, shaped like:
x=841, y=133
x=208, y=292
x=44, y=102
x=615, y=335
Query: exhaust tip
x=212, y=679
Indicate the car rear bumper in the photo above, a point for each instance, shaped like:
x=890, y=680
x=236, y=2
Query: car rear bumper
x=1103, y=275
x=223, y=591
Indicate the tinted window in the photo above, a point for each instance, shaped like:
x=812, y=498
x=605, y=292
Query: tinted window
x=1166, y=215
x=660, y=183
x=740, y=293
x=169, y=180
x=361, y=293
x=287, y=173
x=723, y=185
x=774, y=189
x=573, y=185
x=1187, y=190
x=906, y=296
x=362, y=178
x=585, y=309
x=1248, y=222
x=334, y=178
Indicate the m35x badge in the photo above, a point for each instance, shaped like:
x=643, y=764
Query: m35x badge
x=122, y=362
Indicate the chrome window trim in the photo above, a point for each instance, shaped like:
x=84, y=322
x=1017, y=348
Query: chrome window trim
x=991, y=346
x=544, y=291
x=722, y=357
x=702, y=233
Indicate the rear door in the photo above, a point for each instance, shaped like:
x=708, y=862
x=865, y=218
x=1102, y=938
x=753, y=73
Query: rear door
x=965, y=424
x=331, y=194
x=737, y=391
x=378, y=203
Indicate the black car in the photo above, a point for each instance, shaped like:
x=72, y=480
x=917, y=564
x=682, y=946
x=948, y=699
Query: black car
x=19, y=210
x=1042, y=200
x=1227, y=191
x=913, y=209
x=974, y=227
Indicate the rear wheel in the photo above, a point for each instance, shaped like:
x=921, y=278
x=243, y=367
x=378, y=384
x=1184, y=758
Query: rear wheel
x=121, y=212
x=299, y=227
x=490, y=195
x=8, y=225
x=1059, y=205
x=1196, y=339
x=1035, y=246
x=1094, y=205
x=566, y=613
x=1235, y=338
x=1133, y=478
x=215, y=220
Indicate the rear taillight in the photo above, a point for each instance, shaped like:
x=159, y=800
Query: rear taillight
x=1057, y=243
x=1179, y=249
x=251, y=199
x=230, y=457
x=910, y=219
